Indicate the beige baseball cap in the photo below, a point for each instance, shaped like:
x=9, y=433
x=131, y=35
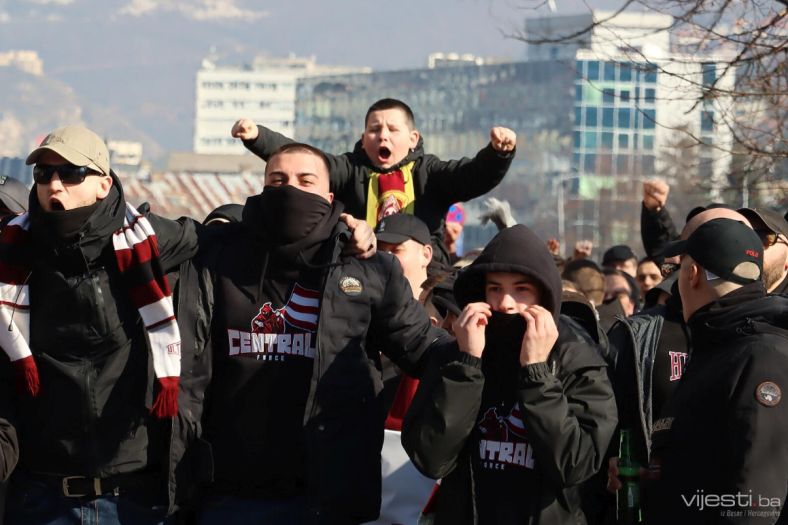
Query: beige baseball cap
x=78, y=145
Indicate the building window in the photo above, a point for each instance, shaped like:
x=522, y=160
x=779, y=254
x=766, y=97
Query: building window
x=625, y=72
x=624, y=95
x=593, y=70
x=622, y=163
x=650, y=74
x=579, y=73
x=590, y=117
x=589, y=165
x=578, y=115
x=607, y=118
x=610, y=71
x=648, y=142
x=650, y=95
x=623, y=141
x=624, y=118
x=608, y=95
x=578, y=93
x=649, y=118
x=648, y=164
x=576, y=139
x=707, y=121
x=590, y=140
x=607, y=140
x=709, y=73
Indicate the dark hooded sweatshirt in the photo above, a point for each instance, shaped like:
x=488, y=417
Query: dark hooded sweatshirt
x=513, y=443
x=437, y=184
x=265, y=328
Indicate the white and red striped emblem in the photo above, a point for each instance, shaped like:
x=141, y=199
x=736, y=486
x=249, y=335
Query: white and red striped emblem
x=302, y=308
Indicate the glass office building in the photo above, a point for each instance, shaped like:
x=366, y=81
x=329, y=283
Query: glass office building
x=590, y=129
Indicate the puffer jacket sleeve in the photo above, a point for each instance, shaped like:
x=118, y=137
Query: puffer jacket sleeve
x=340, y=168
x=465, y=179
x=400, y=325
x=656, y=229
x=571, y=418
x=178, y=240
x=756, y=459
x=443, y=412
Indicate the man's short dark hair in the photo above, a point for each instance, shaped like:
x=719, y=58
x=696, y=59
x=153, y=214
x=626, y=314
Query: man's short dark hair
x=392, y=103
x=587, y=277
x=299, y=147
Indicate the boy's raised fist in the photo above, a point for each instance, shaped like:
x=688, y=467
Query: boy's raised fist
x=503, y=139
x=244, y=129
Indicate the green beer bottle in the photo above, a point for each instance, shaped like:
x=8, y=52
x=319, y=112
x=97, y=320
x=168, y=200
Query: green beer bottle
x=628, y=473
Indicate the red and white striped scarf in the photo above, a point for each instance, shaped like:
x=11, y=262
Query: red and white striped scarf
x=137, y=254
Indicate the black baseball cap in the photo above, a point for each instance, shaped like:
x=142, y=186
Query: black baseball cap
x=401, y=227
x=13, y=194
x=727, y=248
x=773, y=220
x=621, y=252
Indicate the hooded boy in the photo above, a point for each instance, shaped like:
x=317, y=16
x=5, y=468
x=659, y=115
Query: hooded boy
x=525, y=415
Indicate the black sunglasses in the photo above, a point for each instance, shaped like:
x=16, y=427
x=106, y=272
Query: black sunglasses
x=768, y=238
x=68, y=173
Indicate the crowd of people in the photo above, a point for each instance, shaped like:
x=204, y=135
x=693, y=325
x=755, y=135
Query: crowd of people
x=252, y=367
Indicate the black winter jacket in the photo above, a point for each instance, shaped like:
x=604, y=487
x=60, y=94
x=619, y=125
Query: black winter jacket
x=721, y=441
x=634, y=342
x=92, y=417
x=437, y=183
x=656, y=229
x=343, y=420
x=567, y=404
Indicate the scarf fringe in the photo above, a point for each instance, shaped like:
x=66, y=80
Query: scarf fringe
x=26, y=376
x=166, y=403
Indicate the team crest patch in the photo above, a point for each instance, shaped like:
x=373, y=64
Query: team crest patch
x=350, y=286
x=768, y=394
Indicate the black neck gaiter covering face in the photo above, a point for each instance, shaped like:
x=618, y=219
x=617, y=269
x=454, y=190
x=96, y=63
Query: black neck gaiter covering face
x=65, y=224
x=288, y=214
x=504, y=336
x=501, y=357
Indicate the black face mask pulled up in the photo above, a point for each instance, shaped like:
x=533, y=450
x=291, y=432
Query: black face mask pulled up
x=65, y=224
x=284, y=214
x=501, y=359
x=504, y=337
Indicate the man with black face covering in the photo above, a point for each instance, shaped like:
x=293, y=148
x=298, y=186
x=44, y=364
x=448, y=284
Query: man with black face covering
x=526, y=416
x=294, y=413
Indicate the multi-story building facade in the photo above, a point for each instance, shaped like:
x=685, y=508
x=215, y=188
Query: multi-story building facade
x=263, y=91
x=594, y=117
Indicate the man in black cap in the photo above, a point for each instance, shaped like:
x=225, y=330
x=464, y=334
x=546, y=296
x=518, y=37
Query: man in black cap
x=408, y=239
x=650, y=351
x=718, y=452
x=772, y=228
x=621, y=257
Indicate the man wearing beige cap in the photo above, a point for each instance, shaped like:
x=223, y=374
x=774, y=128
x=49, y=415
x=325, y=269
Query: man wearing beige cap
x=91, y=352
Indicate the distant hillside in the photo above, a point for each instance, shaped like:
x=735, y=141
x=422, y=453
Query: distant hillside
x=31, y=106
